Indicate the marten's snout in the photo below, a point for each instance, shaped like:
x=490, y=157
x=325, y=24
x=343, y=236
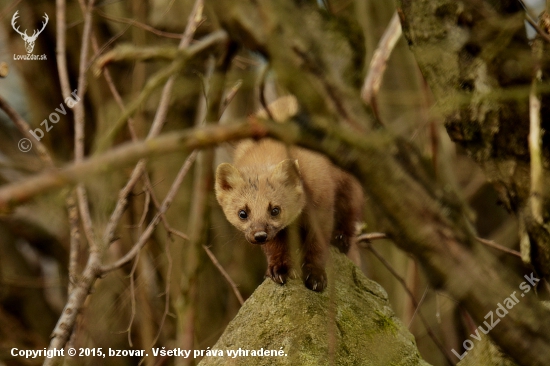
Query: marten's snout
x=260, y=236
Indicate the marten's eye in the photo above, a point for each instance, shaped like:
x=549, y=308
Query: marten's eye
x=275, y=211
x=243, y=215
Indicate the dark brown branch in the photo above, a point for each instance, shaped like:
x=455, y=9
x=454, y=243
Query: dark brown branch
x=494, y=245
x=24, y=128
x=224, y=274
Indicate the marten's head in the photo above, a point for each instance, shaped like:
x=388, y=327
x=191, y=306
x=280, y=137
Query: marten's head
x=260, y=204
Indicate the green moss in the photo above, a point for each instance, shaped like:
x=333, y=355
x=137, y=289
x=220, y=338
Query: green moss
x=384, y=322
x=350, y=323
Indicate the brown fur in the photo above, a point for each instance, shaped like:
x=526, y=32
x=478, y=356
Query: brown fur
x=304, y=186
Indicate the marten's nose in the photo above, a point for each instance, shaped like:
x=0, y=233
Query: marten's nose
x=260, y=236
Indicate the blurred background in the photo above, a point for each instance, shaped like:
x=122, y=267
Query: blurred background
x=174, y=293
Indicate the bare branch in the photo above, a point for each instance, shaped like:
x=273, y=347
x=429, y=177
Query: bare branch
x=131, y=53
x=132, y=300
x=379, y=61
x=160, y=116
x=66, y=322
x=82, y=197
x=25, y=129
x=74, y=247
x=368, y=237
x=82, y=83
x=134, y=22
x=192, y=24
x=224, y=274
x=91, y=272
x=492, y=244
x=158, y=79
x=168, y=283
x=186, y=141
x=60, y=48
x=149, y=230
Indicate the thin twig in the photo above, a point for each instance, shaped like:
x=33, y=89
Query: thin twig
x=368, y=237
x=418, y=307
x=192, y=23
x=99, y=51
x=230, y=95
x=145, y=208
x=529, y=17
x=263, y=102
x=25, y=129
x=401, y=280
x=131, y=53
x=158, y=122
x=132, y=300
x=160, y=77
x=79, y=121
x=167, y=285
x=494, y=245
x=60, y=48
x=149, y=189
x=134, y=22
x=224, y=274
x=154, y=222
x=82, y=82
x=379, y=61
x=539, y=30
x=151, y=193
x=74, y=247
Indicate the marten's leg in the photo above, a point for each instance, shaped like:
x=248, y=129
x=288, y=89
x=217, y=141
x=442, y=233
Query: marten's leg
x=315, y=240
x=348, y=212
x=278, y=258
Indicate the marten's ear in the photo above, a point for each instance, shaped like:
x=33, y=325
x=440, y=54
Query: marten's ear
x=227, y=178
x=287, y=172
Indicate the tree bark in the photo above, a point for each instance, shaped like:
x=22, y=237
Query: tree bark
x=479, y=65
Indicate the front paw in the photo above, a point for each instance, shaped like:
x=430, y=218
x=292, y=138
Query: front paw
x=278, y=273
x=315, y=278
x=341, y=241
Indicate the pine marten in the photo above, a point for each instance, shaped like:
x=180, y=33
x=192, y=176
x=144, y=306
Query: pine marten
x=270, y=186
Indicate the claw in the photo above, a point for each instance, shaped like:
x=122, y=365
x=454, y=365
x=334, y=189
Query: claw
x=315, y=286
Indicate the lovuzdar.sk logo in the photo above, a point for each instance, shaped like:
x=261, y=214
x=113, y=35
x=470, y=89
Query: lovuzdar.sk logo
x=29, y=40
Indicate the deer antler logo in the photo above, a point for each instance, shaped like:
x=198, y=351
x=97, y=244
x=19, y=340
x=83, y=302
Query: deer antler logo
x=29, y=41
